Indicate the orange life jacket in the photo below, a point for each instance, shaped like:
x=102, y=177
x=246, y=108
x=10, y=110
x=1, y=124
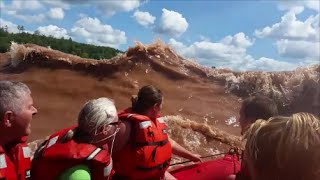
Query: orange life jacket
x=15, y=163
x=60, y=153
x=148, y=154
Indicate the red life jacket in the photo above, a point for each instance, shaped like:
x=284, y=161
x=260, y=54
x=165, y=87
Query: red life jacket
x=148, y=154
x=60, y=153
x=15, y=163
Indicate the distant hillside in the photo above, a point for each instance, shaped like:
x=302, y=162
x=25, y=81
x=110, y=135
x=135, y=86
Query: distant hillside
x=64, y=45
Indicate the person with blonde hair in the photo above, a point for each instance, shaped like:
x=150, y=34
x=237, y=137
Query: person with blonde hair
x=284, y=148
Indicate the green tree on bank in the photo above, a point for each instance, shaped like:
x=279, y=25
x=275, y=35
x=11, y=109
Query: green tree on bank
x=63, y=45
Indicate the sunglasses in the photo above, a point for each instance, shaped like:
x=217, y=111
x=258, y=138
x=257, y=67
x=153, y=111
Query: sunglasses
x=118, y=122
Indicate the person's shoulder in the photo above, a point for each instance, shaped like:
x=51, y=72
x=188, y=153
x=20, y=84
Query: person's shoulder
x=125, y=130
x=124, y=112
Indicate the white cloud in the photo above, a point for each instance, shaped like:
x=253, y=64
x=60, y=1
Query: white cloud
x=94, y=32
x=54, y=31
x=144, y=18
x=109, y=8
x=311, y=4
x=296, y=39
x=57, y=4
x=230, y=52
x=267, y=64
x=204, y=38
x=24, y=5
x=293, y=29
x=35, y=11
x=12, y=28
x=56, y=13
x=24, y=10
x=239, y=40
x=37, y=18
x=178, y=46
x=299, y=49
x=227, y=47
x=315, y=5
x=172, y=23
x=82, y=15
x=2, y=5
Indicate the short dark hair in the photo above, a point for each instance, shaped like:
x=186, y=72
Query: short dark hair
x=259, y=107
x=147, y=97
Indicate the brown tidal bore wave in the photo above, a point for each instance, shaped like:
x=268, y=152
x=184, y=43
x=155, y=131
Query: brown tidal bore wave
x=61, y=83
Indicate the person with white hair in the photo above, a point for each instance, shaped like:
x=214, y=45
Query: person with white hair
x=16, y=113
x=284, y=148
x=81, y=152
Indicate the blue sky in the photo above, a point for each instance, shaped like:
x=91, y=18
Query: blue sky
x=240, y=35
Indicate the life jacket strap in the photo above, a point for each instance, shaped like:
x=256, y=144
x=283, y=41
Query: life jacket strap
x=159, y=143
x=159, y=167
x=94, y=154
x=38, y=153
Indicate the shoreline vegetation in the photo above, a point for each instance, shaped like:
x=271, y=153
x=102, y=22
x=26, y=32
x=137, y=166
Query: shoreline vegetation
x=64, y=45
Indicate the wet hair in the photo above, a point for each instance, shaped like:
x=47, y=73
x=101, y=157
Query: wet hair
x=95, y=114
x=147, y=97
x=285, y=147
x=12, y=96
x=259, y=107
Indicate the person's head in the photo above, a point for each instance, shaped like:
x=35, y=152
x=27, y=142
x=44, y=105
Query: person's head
x=284, y=148
x=256, y=107
x=148, y=102
x=98, y=120
x=16, y=109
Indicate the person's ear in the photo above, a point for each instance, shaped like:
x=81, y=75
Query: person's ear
x=156, y=106
x=7, y=118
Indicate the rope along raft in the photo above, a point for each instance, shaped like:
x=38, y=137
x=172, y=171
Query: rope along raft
x=231, y=151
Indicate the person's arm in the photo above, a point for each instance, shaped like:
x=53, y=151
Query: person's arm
x=182, y=152
x=123, y=136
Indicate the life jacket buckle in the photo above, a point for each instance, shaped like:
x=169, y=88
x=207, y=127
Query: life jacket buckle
x=234, y=151
x=151, y=134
